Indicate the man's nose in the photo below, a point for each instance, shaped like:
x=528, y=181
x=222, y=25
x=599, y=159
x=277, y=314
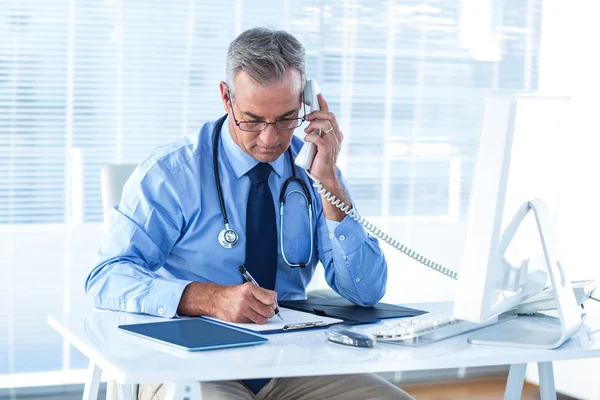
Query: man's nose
x=269, y=135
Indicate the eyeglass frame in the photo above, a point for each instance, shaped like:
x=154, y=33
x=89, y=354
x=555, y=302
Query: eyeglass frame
x=237, y=123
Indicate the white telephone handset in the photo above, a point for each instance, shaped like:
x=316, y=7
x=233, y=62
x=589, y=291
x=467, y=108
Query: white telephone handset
x=305, y=158
x=308, y=152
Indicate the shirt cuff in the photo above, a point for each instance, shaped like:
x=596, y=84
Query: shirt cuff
x=331, y=225
x=164, y=297
x=349, y=234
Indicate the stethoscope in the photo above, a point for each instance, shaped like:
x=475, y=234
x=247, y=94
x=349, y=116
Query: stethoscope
x=228, y=237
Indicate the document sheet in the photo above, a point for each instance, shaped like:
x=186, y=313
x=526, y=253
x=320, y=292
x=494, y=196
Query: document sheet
x=292, y=320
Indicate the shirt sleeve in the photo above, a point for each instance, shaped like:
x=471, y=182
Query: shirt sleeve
x=331, y=225
x=146, y=225
x=355, y=266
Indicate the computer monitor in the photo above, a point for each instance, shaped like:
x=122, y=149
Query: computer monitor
x=514, y=175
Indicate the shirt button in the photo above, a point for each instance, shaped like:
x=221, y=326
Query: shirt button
x=123, y=305
x=357, y=279
x=331, y=236
x=161, y=311
x=342, y=237
x=345, y=258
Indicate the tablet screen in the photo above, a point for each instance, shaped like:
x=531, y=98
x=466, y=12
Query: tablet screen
x=194, y=334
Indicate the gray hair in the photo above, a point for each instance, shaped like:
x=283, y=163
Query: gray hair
x=265, y=55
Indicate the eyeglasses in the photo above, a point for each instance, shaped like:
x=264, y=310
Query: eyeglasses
x=257, y=126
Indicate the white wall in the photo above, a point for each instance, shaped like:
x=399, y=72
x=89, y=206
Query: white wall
x=570, y=65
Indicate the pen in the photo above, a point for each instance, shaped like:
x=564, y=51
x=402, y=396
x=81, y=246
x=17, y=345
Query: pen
x=249, y=278
x=302, y=325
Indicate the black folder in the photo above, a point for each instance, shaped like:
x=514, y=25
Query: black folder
x=339, y=307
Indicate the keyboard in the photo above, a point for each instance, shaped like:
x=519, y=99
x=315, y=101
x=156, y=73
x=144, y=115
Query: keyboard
x=422, y=329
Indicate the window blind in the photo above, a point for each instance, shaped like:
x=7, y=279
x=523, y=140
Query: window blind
x=33, y=95
x=144, y=74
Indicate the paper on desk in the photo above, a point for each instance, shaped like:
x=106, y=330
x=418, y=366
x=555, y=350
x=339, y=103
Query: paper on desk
x=290, y=317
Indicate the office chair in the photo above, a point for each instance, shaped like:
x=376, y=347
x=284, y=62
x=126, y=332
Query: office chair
x=112, y=180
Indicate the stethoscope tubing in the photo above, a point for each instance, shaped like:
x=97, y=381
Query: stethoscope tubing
x=282, y=199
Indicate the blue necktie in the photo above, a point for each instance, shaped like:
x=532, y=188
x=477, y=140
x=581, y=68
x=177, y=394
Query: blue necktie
x=261, y=239
x=261, y=228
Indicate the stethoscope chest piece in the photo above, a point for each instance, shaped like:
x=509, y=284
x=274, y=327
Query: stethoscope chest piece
x=228, y=238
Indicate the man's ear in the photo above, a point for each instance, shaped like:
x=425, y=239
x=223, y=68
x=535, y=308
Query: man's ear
x=225, y=96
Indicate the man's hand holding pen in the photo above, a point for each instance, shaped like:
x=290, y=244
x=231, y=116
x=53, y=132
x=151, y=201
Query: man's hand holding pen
x=236, y=303
x=246, y=303
x=250, y=279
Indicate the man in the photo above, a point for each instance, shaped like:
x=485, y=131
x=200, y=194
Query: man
x=166, y=252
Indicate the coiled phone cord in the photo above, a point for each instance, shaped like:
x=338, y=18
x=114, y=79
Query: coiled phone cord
x=379, y=233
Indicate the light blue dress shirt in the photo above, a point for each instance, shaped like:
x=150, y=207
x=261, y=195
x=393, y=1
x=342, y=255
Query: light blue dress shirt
x=165, y=232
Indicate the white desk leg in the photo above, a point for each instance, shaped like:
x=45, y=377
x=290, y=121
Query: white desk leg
x=92, y=384
x=514, y=384
x=125, y=392
x=547, y=388
x=183, y=391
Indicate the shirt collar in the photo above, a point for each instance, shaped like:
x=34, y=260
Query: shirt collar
x=240, y=161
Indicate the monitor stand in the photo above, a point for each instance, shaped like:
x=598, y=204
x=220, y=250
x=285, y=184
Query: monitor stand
x=542, y=336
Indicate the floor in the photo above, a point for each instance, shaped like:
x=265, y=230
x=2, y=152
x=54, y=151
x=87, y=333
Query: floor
x=484, y=389
x=481, y=389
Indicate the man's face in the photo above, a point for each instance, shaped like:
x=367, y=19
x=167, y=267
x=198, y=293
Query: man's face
x=253, y=102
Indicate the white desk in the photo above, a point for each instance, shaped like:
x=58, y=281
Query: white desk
x=131, y=360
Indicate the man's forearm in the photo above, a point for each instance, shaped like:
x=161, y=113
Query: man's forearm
x=335, y=188
x=123, y=284
x=199, y=299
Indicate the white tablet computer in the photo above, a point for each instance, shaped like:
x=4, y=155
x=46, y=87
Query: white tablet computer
x=193, y=334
